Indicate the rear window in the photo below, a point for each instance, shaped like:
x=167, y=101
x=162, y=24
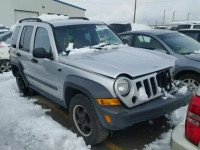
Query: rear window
x=196, y=26
x=15, y=35
x=193, y=35
x=185, y=26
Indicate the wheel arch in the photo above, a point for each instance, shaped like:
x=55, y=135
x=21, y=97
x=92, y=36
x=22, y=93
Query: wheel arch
x=178, y=75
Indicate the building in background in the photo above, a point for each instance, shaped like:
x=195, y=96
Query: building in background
x=14, y=10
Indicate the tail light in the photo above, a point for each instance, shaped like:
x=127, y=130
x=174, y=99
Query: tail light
x=2, y=46
x=192, y=125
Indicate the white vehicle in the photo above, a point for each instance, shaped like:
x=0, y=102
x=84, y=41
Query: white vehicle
x=188, y=137
x=3, y=29
x=188, y=26
x=5, y=64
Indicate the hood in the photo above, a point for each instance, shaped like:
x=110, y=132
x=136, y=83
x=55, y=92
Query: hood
x=195, y=57
x=123, y=60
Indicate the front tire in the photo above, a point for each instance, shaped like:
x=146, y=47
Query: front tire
x=192, y=81
x=84, y=118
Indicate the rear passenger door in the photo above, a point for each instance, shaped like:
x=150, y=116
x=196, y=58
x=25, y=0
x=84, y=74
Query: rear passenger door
x=44, y=70
x=23, y=52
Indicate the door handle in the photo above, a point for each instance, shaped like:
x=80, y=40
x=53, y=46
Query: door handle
x=18, y=54
x=34, y=60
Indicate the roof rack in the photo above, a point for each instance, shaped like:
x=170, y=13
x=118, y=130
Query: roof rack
x=83, y=18
x=31, y=19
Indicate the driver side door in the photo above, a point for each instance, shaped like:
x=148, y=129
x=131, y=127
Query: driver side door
x=44, y=70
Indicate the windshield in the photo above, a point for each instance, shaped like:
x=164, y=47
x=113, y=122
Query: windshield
x=84, y=36
x=180, y=43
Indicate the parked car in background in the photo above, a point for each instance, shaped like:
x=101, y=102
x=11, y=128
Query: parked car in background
x=5, y=37
x=188, y=26
x=184, y=48
x=3, y=29
x=161, y=27
x=193, y=33
x=188, y=137
x=119, y=28
x=5, y=64
x=104, y=84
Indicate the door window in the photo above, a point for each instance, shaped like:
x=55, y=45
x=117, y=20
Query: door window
x=147, y=42
x=127, y=39
x=42, y=39
x=25, y=40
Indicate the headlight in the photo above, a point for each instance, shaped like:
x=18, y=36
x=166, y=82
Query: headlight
x=122, y=86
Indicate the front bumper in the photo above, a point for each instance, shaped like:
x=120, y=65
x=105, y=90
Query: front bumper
x=179, y=142
x=123, y=117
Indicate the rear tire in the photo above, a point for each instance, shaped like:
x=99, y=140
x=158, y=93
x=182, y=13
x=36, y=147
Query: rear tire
x=23, y=88
x=5, y=65
x=84, y=118
x=192, y=81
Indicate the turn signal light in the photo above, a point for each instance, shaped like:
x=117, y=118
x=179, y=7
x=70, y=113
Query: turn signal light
x=108, y=119
x=109, y=102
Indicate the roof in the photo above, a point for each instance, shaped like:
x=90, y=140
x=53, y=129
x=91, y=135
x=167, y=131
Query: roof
x=152, y=31
x=189, y=30
x=69, y=5
x=58, y=23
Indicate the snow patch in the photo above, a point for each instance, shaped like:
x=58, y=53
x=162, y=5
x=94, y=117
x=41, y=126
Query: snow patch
x=183, y=90
x=142, y=95
x=163, y=143
x=24, y=125
x=47, y=17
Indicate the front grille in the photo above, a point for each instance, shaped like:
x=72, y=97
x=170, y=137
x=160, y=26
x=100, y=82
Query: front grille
x=154, y=84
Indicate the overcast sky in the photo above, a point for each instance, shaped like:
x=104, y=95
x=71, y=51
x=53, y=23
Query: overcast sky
x=148, y=11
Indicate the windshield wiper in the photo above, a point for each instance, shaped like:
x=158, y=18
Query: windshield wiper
x=100, y=46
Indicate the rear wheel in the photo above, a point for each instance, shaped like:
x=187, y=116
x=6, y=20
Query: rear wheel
x=84, y=118
x=5, y=66
x=23, y=88
x=192, y=81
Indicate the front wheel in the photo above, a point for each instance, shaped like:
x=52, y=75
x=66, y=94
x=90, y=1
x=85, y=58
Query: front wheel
x=84, y=118
x=192, y=81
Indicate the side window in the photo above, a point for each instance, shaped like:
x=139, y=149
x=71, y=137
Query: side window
x=25, y=39
x=42, y=39
x=127, y=39
x=15, y=35
x=143, y=41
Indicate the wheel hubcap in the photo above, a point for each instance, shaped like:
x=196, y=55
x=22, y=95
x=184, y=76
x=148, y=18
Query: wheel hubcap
x=5, y=67
x=82, y=120
x=191, y=84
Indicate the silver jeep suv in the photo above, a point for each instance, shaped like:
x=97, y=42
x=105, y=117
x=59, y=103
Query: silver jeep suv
x=85, y=67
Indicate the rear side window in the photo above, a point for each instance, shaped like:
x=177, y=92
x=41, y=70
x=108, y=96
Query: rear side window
x=25, y=40
x=196, y=26
x=15, y=35
x=42, y=40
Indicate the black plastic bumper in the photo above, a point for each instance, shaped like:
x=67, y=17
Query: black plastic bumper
x=123, y=117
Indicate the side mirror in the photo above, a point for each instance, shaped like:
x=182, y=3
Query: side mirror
x=40, y=53
x=161, y=50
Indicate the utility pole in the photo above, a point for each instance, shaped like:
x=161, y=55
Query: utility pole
x=188, y=16
x=135, y=11
x=164, y=18
x=173, y=16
